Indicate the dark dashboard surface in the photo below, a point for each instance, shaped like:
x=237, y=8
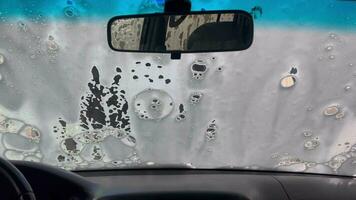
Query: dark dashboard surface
x=182, y=181
x=171, y=184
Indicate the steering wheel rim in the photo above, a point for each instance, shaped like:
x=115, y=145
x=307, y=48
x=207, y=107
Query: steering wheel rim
x=17, y=179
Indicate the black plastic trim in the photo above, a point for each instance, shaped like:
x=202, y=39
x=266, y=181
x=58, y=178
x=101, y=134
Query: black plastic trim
x=175, y=170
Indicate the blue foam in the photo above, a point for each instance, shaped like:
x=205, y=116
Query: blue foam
x=317, y=13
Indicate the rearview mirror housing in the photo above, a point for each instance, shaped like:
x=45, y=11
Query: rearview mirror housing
x=195, y=32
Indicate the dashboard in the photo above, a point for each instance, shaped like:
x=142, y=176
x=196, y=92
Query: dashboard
x=172, y=184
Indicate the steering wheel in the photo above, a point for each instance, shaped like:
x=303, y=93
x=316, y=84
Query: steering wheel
x=18, y=181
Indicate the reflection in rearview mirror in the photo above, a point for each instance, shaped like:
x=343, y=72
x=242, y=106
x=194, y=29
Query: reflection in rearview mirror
x=196, y=32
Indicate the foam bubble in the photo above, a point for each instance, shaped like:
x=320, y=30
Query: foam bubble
x=331, y=110
x=153, y=104
x=288, y=81
x=347, y=88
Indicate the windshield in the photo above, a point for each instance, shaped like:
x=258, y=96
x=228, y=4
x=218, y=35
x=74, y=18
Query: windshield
x=286, y=103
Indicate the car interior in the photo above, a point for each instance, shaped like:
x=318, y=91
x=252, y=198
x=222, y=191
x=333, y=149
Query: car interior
x=226, y=31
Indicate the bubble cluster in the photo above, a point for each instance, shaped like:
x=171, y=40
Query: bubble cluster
x=132, y=159
x=195, y=97
x=336, y=161
x=52, y=49
x=70, y=162
x=97, y=153
x=103, y=115
x=312, y=143
x=181, y=115
x=153, y=104
x=20, y=140
x=149, y=77
x=292, y=163
x=211, y=131
x=334, y=110
x=86, y=147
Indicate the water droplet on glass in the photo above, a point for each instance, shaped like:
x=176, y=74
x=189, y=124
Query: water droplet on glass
x=70, y=12
x=329, y=48
x=150, y=163
x=22, y=26
x=50, y=37
x=2, y=59
x=158, y=58
x=307, y=133
x=332, y=35
x=275, y=156
x=347, y=88
x=310, y=108
x=220, y=69
x=351, y=65
x=332, y=57
x=331, y=110
x=288, y=81
x=189, y=165
x=0, y=77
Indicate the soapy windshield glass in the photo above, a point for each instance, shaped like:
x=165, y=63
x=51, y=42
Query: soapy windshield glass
x=286, y=103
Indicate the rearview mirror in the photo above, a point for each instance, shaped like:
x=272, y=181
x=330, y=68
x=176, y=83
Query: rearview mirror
x=212, y=31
